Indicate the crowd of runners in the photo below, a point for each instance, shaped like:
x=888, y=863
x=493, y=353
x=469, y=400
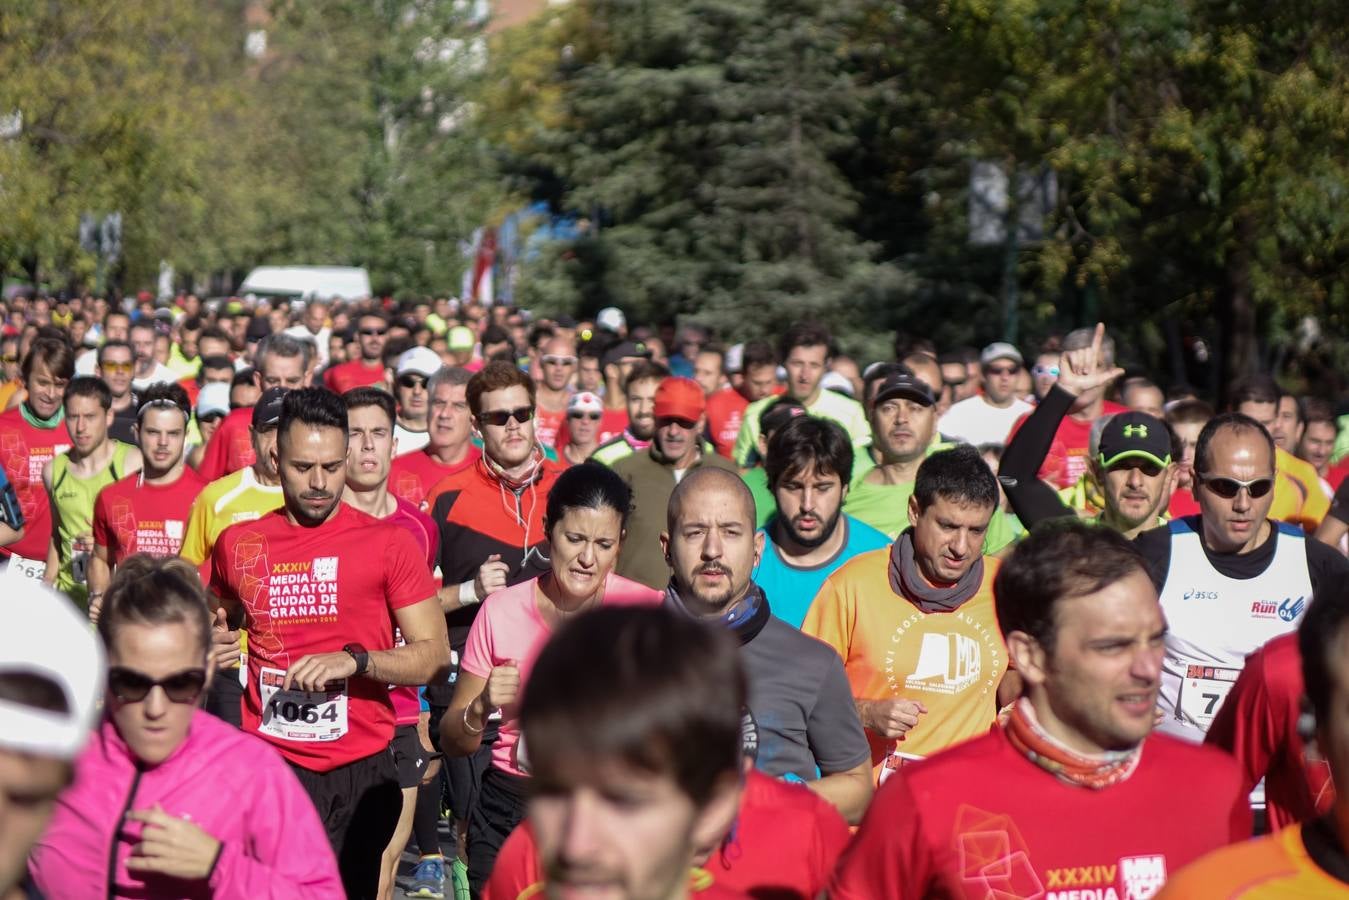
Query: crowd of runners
x=294, y=591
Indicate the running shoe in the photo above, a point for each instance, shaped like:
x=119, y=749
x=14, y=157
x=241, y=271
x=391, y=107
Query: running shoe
x=459, y=874
x=428, y=879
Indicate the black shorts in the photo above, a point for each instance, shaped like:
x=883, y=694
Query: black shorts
x=224, y=699
x=463, y=774
x=359, y=805
x=409, y=756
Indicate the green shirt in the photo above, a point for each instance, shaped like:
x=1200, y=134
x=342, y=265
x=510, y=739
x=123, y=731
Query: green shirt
x=765, y=504
x=885, y=507
x=828, y=405
x=72, y=503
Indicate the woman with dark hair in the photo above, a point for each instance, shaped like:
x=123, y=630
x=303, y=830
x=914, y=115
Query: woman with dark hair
x=585, y=522
x=167, y=800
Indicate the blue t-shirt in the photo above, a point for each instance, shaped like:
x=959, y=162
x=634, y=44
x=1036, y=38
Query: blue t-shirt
x=790, y=589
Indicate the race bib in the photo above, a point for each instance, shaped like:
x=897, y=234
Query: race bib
x=893, y=763
x=1202, y=692
x=301, y=715
x=23, y=569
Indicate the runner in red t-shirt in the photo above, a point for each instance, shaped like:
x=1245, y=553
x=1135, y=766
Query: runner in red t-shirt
x=370, y=418
x=368, y=371
x=754, y=375
x=282, y=361
x=1073, y=796
x=449, y=447
x=1258, y=724
x=147, y=512
x=785, y=842
x=31, y=435
x=557, y=368
x=319, y=586
x=637, y=768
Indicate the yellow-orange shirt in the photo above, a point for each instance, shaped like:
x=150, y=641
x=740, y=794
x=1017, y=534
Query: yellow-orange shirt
x=950, y=662
x=1274, y=866
x=1315, y=503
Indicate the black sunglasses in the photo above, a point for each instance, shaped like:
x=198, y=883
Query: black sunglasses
x=686, y=424
x=499, y=417
x=411, y=381
x=130, y=686
x=373, y=332
x=1227, y=488
x=594, y=417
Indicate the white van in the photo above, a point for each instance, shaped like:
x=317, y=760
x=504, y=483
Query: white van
x=308, y=282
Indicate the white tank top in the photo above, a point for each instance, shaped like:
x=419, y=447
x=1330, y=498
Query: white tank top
x=1215, y=622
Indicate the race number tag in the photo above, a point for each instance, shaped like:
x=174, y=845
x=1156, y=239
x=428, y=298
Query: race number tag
x=23, y=569
x=301, y=715
x=893, y=763
x=1202, y=693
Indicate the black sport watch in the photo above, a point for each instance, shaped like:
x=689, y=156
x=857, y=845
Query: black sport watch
x=359, y=654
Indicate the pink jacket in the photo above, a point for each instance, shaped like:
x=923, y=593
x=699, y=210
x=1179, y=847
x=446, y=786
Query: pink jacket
x=234, y=786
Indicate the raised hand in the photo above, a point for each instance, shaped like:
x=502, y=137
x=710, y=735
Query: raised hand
x=1082, y=370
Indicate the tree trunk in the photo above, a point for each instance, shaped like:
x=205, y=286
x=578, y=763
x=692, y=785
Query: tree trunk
x=1236, y=312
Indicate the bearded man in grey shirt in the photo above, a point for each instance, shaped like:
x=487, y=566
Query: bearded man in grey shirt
x=799, y=697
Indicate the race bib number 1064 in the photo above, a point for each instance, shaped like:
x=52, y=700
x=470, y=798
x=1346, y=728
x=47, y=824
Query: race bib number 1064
x=301, y=715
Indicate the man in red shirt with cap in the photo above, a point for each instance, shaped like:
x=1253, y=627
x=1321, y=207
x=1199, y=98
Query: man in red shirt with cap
x=676, y=449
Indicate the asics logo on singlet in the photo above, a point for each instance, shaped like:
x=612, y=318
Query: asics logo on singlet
x=1196, y=594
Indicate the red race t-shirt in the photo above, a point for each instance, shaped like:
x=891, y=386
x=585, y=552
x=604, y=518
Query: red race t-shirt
x=309, y=590
x=342, y=378
x=1257, y=724
x=981, y=820
x=1066, y=460
x=406, y=706
x=785, y=842
x=230, y=448
x=133, y=517
x=24, y=450
x=549, y=425
x=412, y=475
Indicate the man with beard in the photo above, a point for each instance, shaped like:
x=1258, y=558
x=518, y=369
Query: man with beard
x=807, y=464
x=640, y=392
x=146, y=512
x=679, y=408
x=914, y=623
x=798, y=694
x=319, y=587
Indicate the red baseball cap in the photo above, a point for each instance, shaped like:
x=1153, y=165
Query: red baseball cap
x=679, y=398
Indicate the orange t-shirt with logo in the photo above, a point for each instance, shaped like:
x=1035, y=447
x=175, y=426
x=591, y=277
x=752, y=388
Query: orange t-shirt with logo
x=951, y=662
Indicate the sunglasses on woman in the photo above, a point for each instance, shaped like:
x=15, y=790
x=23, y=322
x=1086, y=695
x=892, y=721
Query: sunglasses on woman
x=130, y=686
x=499, y=417
x=1228, y=488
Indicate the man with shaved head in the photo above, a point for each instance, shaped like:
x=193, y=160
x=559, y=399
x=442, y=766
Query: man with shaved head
x=800, y=709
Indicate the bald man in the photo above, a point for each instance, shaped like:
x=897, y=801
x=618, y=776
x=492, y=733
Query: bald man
x=804, y=719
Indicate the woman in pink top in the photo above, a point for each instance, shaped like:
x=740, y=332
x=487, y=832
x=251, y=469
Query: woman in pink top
x=168, y=801
x=585, y=519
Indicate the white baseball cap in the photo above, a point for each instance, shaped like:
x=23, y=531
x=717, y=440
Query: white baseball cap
x=43, y=635
x=213, y=398
x=612, y=318
x=421, y=360
x=585, y=401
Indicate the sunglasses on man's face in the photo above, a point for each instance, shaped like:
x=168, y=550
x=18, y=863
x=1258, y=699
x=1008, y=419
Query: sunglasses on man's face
x=373, y=332
x=559, y=360
x=1041, y=371
x=594, y=417
x=411, y=381
x=1004, y=370
x=500, y=417
x=1228, y=488
x=124, y=367
x=10, y=360
x=130, y=686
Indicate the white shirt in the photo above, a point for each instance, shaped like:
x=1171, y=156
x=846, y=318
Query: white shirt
x=160, y=373
x=320, y=339
x=976, y=421
x=408, y=441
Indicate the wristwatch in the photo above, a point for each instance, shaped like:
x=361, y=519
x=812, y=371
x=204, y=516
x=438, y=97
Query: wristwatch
x=359, y=654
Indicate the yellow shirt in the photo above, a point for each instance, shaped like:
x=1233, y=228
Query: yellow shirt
x=1315, y=503
x=952, y=662
x=1274, y=866
x=237, y=497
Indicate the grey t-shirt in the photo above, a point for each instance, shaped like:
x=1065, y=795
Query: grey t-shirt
x=802, y=705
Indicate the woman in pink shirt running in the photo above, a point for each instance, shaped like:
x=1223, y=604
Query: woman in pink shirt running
x=585, y=519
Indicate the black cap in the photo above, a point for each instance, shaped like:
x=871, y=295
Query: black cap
x=1135, y=435
x=267, y=412
x=902, y=384
x=565, y=321
x=258, y=328
x=625, y=350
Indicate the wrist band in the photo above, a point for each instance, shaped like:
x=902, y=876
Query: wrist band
x=468, y=594
x=469, y=728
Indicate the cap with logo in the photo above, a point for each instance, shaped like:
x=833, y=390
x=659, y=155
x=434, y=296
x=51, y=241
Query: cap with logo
x=1000, y=350
x=44, y=637
x=267, y=412
x=1135, y=435
x=585, y=401
x=906, y=386
x=679, y=398
x=625, y=350
x=418, y=361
